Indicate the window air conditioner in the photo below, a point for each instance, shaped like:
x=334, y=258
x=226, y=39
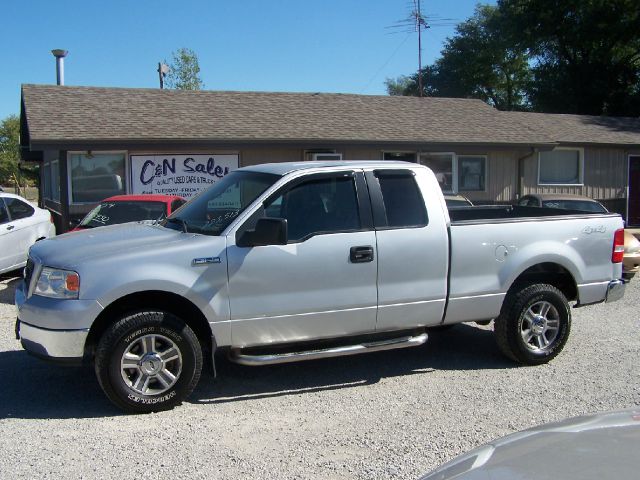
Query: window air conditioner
x=324, y=157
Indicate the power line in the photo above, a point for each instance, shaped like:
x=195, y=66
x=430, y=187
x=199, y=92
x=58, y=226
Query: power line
x=386, y=63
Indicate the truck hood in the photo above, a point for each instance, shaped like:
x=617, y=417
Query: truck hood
x=70, y=249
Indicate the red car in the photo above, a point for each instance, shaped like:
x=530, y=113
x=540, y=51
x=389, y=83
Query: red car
x=131, y=208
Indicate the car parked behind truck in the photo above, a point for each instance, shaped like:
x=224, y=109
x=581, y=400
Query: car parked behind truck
x=294, y=261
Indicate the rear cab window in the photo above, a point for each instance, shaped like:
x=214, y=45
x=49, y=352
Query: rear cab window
x=397, y=200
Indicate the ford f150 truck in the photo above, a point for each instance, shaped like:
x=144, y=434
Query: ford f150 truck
x=294, y=261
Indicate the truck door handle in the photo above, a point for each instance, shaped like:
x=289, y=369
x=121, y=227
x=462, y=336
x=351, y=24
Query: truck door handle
x=11, y=227
x=361, y=254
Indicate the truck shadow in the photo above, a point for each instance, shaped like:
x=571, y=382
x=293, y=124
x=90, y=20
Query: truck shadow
x=31, y=388
x=464, y=347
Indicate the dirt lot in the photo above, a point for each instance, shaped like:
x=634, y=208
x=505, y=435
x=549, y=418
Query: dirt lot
x=385, y=415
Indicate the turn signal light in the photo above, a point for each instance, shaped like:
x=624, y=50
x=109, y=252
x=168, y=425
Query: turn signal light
x=73, y=282
x=618, y=246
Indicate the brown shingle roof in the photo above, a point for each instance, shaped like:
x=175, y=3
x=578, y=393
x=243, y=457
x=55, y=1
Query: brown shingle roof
x=581, y=129
x=65, y=113
x=61, y=113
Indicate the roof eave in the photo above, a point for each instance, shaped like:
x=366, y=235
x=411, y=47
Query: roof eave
x=96, y=143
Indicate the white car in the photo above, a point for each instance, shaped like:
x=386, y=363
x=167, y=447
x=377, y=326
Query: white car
x=21, y=225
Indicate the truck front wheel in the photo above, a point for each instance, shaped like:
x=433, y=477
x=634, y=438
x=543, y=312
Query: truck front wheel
x=148, y=361
x=534, y=324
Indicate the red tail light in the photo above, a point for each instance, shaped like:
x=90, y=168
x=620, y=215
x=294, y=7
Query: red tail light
x=618, y=246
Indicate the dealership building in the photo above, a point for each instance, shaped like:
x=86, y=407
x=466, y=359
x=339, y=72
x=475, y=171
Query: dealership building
x=93, y=142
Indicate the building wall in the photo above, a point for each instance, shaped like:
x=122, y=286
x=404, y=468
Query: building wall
x=501, y=181
x=605, y=177
x=605, y=169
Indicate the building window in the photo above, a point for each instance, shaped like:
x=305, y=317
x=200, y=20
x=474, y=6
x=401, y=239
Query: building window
x=457, y=172
x=46, y=181
x=399, y=156
x=471, y=173
x=443, y=166
x=55, y=180
x=562, y=166
x=96, y=176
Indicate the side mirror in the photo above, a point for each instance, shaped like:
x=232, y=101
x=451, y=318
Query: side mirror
x=268, y=231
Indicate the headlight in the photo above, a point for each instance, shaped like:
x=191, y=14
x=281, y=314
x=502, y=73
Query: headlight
x=56, y=283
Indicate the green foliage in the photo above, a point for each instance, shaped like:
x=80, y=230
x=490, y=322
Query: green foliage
x=11, y=171
x=398, y=86
x=10, y=151
x=478, y=62
x=574, y=56
x=185, y=71
x=586, y=53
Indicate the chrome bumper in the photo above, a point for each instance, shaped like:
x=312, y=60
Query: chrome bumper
x=615, y=291
x=53, y=344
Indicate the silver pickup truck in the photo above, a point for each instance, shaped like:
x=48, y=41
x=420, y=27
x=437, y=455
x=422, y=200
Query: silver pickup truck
x=295, y=261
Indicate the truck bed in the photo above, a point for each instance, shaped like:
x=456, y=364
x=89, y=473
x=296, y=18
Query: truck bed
x=493, y=245
x=510, y=213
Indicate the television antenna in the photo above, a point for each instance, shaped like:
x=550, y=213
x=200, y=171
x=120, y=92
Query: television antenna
x=417, y=22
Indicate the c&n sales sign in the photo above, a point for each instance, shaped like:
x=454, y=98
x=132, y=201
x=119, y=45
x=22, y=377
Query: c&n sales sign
x=184, y=175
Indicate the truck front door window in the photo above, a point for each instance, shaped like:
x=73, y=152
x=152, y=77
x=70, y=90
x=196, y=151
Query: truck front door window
x=327, y=205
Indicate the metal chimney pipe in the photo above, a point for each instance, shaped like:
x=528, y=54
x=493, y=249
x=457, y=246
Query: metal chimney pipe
x=59, y=54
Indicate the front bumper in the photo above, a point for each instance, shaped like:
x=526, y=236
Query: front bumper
x=52, y=344
x=55, y=329
x=615, y=290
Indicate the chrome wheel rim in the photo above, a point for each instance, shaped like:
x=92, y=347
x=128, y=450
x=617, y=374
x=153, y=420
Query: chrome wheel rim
x=151, y=364
x=540, y=326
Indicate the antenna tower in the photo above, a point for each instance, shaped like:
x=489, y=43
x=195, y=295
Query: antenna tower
x=417, y=22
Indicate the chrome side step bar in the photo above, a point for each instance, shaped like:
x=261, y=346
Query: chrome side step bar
x=237, y=356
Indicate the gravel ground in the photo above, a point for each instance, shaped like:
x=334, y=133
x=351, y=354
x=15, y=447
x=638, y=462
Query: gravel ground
x=385, y=415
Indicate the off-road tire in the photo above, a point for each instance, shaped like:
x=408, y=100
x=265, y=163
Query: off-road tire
x=510, y=326
x=128, y=332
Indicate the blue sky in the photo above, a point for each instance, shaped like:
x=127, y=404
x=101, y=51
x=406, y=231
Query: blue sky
x=282, y=45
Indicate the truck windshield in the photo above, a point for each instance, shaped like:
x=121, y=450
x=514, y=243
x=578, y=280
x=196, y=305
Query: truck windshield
x=214, y=209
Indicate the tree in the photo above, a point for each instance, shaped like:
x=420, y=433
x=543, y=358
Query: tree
x=10, y=172
x=477, y=62
x=586, y=53
x=398, y=86
x=184, y=71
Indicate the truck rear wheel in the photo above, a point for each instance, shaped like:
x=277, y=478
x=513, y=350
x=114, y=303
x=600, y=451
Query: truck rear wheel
x=148, y=362
x=534, y=324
